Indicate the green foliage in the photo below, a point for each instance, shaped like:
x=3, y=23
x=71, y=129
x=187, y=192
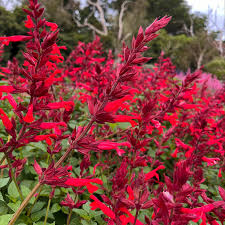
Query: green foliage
x=184, y=51
x=216, y=67
x=11, y=23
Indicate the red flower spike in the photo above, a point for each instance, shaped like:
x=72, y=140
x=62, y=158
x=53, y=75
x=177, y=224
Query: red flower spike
x=29, y=116
x=98, y=204
x=68, y=202
x=157, y=25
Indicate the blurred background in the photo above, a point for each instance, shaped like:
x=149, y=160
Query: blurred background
x=195, y=36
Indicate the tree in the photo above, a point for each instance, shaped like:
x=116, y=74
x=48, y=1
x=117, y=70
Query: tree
x=216, y=67
x=11, y=23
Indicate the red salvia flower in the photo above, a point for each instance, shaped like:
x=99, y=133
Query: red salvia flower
x=79, y=182
x=57, y=105
x=29, y=116
x=98, y=204
x=5, y=119
x=16, y=38
x=153, y=173
x=53, y=26
x=29, y=22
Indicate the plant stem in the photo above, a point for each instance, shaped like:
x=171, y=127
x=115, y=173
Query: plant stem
x=2, y=160
x=136, y=215
x=71, y=210
x=69, y=217
x=24, y=204
x=13, y=177
x=72, y=146
x=30, y=209
x=46, y=215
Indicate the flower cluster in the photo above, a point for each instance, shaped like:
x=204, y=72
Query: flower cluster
x=140, y=141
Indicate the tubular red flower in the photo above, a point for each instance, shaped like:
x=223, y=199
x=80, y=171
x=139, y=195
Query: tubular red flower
x=115, y=105
x=5, y=119
x=53, y=26
x=79, y=182
x=45, y=138
x=125, y=118
x=29, y=22
x=153, y=173
x=7, y=89
x=16, y=38
x=98, y=204
x=57, y=105
x=29, y=116
x=210, y=161
x=48, y=125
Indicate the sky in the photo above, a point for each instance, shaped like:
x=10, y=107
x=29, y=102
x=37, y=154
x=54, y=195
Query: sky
x=202, y=5
x=216, y=7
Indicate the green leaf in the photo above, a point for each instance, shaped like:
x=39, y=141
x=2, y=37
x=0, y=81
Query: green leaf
x=12, y=191
x=91, y=213
x=55, y=208
x=82, y=214
x=1, y=197
x=87, y=207
x=4, y=181
x=75, y=221
x=4, y=219
x=14, y=206
x=65, y=210
x=124, y=125
x=38, y=145
x=42, y=223
x=26, y=191
x=72, y=124
x=84, y=222
x=38, y=206
x=38, y=215
x=3, y=208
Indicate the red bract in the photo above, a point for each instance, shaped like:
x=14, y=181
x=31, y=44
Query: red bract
x=52, y=176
